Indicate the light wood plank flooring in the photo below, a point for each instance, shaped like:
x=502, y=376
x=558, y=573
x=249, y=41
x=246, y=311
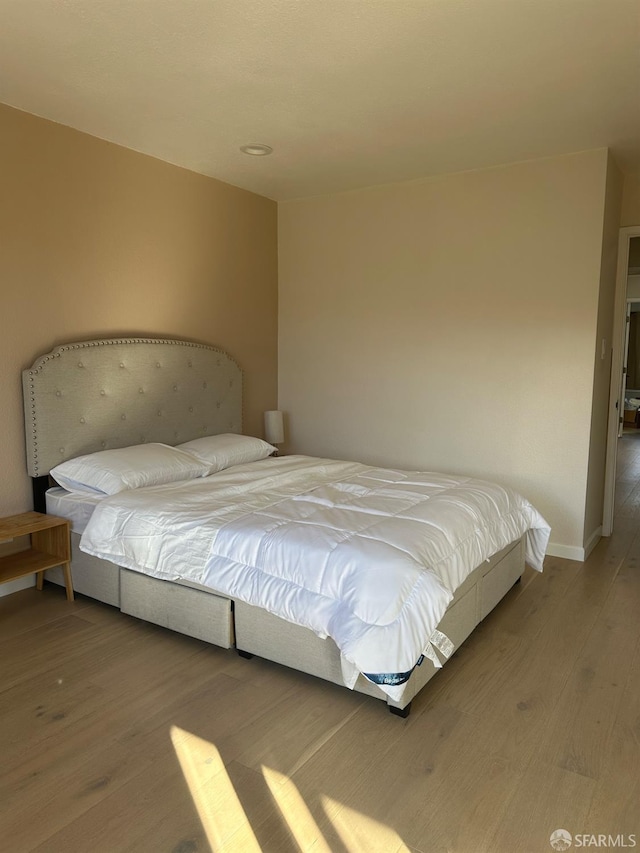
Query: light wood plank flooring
x=119, y=736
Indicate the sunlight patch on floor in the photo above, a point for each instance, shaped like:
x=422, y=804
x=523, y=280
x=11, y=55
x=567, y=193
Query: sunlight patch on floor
x=294, y=810
x=360, y=833
x=213, y=794
x=225, y=822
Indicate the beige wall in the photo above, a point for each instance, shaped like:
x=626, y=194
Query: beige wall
x=449, y=325
x=97, y=240
x=602, y=356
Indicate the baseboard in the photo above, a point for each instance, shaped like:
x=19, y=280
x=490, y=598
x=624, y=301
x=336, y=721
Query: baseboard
x=17, y=584
x=572, y=552
x=567, y=552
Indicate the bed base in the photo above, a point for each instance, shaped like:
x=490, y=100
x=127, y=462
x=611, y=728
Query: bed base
x=201, y=613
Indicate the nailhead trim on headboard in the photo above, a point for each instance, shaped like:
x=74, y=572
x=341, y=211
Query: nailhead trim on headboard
x=121, y=399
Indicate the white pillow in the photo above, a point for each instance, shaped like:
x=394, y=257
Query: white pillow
x=112, y=471
x=222, y=451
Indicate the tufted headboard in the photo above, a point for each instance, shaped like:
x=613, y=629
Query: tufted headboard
x=93, y=395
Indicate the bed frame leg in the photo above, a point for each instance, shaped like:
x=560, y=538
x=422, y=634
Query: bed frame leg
x=518, y=581
x=400, y=712
x=246, y=655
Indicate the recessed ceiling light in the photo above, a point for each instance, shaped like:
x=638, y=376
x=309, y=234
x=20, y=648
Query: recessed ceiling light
x=256, y=149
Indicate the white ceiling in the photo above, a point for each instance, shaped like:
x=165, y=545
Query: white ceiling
x=349, y=93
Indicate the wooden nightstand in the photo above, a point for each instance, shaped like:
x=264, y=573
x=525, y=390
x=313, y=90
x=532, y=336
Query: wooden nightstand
x=50, y=547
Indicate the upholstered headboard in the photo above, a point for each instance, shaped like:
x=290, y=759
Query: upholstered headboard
x=93, y=395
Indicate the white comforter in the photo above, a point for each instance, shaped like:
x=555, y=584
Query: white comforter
x=368, y=556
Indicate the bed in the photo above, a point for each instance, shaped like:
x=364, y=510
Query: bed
x=86, y=397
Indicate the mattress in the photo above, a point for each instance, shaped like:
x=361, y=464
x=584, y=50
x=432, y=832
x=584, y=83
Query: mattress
x=370, y=557
x=77, y=507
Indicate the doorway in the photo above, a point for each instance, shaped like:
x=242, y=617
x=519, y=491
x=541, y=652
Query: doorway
x=627, y=292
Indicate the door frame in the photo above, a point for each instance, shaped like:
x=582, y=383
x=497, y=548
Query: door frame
x=616, y=404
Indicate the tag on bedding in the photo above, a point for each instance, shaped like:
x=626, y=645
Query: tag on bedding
x=430, y=652
x=442, y=643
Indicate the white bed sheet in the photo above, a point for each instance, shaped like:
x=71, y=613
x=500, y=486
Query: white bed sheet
x=368, y=556
x=77, y=507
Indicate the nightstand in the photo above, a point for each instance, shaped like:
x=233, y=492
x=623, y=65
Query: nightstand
x=50, y=547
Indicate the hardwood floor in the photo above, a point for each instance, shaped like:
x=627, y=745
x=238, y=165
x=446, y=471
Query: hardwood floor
x=118, y=736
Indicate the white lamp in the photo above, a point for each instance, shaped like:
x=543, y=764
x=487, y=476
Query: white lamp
x=274, y=427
